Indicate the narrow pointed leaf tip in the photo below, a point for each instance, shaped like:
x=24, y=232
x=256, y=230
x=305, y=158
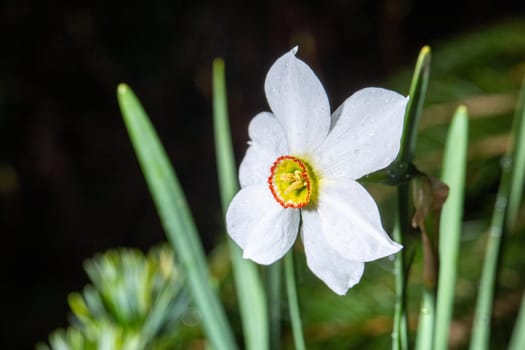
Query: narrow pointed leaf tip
x=122, y=89
x=418, y=90
x=175, y=217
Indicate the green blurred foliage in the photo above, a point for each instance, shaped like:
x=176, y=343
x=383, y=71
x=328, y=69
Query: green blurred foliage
x=135, y=301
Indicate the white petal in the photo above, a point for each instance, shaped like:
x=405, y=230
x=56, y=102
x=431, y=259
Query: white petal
x=350, y=221
x=266, y=131
x=260, y=226
x=299, y=101
x=365, y=134
x=255, y=166
x=267, y=143
x=338, y=273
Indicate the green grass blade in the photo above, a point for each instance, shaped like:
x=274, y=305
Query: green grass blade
x=425, y=330
x=250, y=292
x=505, y=211
x=481, y=327
x=517, y=341
x=453, y=174
x=175, y=217
x=518, y=161
x=418, y=89
x=274, y=285
x=293, y=302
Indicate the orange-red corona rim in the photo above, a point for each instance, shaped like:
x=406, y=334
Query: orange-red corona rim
x=291, y=182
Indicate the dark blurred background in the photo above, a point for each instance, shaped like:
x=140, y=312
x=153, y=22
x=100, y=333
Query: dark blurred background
x=70, y=185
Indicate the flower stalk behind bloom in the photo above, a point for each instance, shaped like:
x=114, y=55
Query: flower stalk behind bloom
x=301, y=166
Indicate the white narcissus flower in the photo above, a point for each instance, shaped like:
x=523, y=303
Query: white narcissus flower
x=300, y=171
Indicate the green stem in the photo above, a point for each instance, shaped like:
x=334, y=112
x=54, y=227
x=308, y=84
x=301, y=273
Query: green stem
x=250, y=292
x=400, y=329
x=293, y=302
x=418, y=90
x=273, y=277
x=425, y=331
